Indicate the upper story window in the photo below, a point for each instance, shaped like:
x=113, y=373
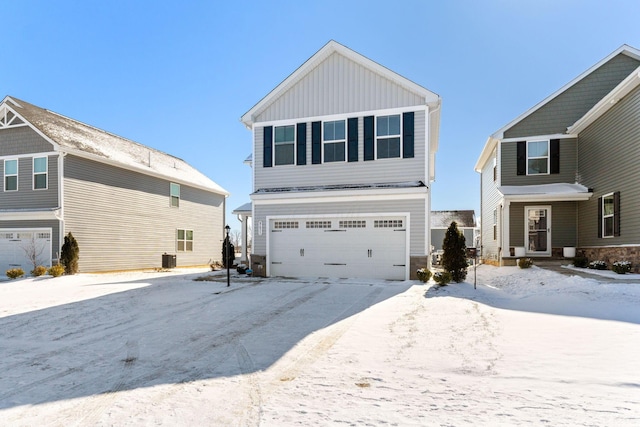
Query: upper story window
x=175, y=195
x=284, y=144
x=537, y=157
x=388, y=136
x=334, y=141
x=11, y=175
x=39, y=173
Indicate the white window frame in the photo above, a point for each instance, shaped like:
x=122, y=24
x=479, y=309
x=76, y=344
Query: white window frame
x=45, y=173
x=547, y=157
x=6, y=175
x=172, y=196
x=334, y=141
x=281, y=143
x=182, y=244
x=388, y=136
x=606, y=216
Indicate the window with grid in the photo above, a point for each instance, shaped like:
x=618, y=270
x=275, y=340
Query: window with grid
x=388, y=136
x=387, y=223
x=40, y=173
x=174, y=194
x=334, y=141
x=284, y=144
x=353, y=223
x=318, y=224
x=11, y=175
x=285, y=224
x=537, y=157
x=184, y=240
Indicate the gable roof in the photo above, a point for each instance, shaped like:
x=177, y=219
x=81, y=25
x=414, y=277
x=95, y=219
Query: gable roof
x=499, y=134
x=463, y=218
x=71, y=136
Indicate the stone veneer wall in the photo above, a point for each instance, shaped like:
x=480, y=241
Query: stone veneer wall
x=259, y=265
x=613, y=254
x=416, y=262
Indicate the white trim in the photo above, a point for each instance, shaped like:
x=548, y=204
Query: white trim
x=526, y=229
x=548, y=157
x=35, y=230
x=574, y=197
x=31, y=215
x=293, y=142
x=336, y=141
x=329, y=197
x=40, y=154
x=612, y=216
x=5, y=175
x=55, y=145
x=33, y=173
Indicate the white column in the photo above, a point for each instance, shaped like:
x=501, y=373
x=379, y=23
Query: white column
x=505, y=228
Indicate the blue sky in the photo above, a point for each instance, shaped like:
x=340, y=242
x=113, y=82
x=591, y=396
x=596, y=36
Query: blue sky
x=177, y=76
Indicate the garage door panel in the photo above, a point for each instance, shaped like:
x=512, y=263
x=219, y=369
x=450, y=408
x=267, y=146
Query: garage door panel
x=16, y=246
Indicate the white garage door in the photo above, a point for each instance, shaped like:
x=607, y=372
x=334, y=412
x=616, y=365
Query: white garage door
x=17, y=247
x=368, y=247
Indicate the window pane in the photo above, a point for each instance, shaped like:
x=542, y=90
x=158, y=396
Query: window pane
x=538, y=149
x=40, y=181
x=608, y=226
x=394, y=125
x=189, y=234
x=383, y=126
x=388, y=148
x=537, y=166
x=40, y=165
x=180, y=234
x=175, y=189
x=284, y=154
x=189, y=246
x=339, y=130
x=11, y=183
x=334, y=152
x=607, y=205
x=11, y=167
x=329, y=134
x=181, y=245
x=175, y=201
x=284, y=134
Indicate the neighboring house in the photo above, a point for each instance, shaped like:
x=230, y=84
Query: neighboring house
x=343, y=157
x=126, y=204
x=565, y=173
x=441, y=221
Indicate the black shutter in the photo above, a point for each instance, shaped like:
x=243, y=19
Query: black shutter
x=352, y=139
x=616, y=213
x=407, y=135
x=554, y=148
x=599, y=216
x=267, y=152
x=521, y=157
x=301, y=143
x=316, y=143
x=369, y=129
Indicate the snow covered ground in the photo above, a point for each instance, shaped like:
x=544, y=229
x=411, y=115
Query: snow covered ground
x=526, y=347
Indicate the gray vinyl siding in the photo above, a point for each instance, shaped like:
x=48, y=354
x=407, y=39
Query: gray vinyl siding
x=336, y=173
x=54, y=225
x=608, y=159
x=123, y=220
x=22, y=140
x=490, y=198
x=437, y=237
x=565, y=109
x=26, y=197
x=568, y=164
x=338, y=85
x=563, y=223
x=416, y=208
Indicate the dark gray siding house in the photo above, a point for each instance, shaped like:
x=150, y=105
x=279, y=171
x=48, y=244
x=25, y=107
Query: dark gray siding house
x=125, y=203
x=564, y=175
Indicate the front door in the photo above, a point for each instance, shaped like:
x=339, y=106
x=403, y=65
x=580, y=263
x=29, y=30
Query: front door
x=538, y=230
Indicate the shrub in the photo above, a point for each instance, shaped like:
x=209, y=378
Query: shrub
x=228, y=253
x=454, y=257
x=621, y=267
x=525, y=262
x=56, y=270
x=442, y=278
x=424, y=274
x=14, y=273
x=39, y=271
x=215, y=265
x=70, y=254
x=581, y=262
x=598, y=265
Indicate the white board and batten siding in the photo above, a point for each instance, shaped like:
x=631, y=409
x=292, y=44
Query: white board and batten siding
x=370, y=246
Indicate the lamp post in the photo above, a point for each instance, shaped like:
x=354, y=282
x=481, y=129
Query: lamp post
x=226, y=255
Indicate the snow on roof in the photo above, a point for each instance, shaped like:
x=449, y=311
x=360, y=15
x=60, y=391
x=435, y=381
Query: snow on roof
x=544, y=189
x=242, y=209
x=410, y=184
x=78, y=138
x=443, y=219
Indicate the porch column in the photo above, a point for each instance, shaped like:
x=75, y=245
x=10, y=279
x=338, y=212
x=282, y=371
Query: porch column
x=505, y=228
x=244, y=258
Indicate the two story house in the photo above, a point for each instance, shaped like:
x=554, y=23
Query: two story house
x=565, y=173
x=343, y=159
x=126, y=204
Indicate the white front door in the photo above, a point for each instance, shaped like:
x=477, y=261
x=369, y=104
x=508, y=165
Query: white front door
x=537, y=224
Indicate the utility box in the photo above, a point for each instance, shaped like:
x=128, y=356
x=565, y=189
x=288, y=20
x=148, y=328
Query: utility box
x=168, y=261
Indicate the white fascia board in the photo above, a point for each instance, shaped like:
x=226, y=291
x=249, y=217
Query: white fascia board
x=538, y=198
x=333, y=196
x=142, y=170
x=627, y=85
x=541, y=137
x=433, y=134
x=332, y=46
x=31, y=215
x=20, y=156
x=486, y=153
x=55, y=145
x=627, y=50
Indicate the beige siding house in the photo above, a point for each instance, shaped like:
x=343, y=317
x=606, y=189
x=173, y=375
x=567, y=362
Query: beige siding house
x=564, y=175
x=126, y=204
x=343, y=159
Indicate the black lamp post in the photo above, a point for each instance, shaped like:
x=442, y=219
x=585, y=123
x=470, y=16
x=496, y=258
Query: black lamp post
x=226, y=255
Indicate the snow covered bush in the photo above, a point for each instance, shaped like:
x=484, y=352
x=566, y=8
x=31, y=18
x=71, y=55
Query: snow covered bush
x=454, y=257
x=598, y=265
x=525, y=262
x=442, y=278
x=70, y=254
x=424, y=274
x=14, y=273
x=581, y=262
x=621, y=267
x=56, y=270
x=39, y=271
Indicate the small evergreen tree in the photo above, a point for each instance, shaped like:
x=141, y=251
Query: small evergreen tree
x=228, y=253
x=454, y=258
x=70, y=254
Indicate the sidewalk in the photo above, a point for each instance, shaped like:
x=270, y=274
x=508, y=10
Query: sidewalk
x=600, y=275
